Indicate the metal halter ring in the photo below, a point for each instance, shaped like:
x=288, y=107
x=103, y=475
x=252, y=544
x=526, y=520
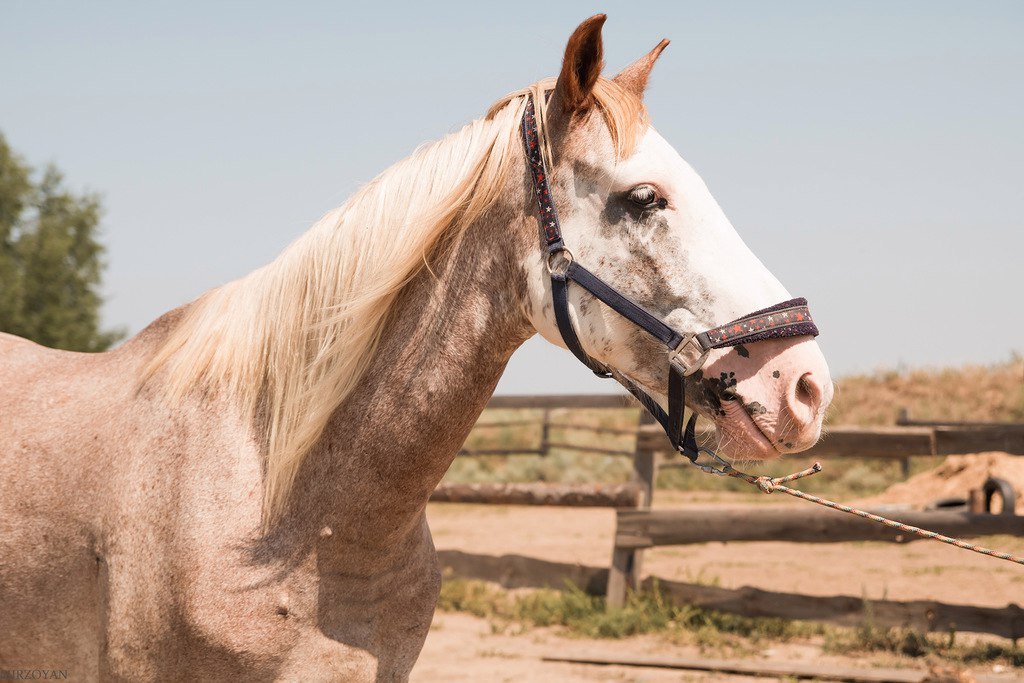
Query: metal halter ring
x=675, y=357
x=565, y=254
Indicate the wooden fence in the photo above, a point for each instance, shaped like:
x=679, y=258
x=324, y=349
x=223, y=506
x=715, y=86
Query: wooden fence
x=907, y=439
x=547, y=423
x=518, y=571
x=639, y=527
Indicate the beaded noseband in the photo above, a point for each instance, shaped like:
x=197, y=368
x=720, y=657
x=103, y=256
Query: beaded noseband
x=787, y=319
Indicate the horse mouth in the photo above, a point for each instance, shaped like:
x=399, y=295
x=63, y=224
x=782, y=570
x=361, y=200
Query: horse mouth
x=741, y=436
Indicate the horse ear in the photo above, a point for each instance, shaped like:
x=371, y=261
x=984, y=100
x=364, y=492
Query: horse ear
x=634, y=77
x=584, y=59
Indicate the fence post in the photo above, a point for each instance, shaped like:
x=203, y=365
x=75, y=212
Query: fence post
x=624, y=573
x=545, y=433
x=903, y=420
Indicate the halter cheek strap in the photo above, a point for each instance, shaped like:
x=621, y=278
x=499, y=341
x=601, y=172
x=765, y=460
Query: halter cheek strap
x=787, y=319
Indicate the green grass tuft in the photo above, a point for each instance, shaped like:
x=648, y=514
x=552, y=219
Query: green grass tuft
x=586, y=615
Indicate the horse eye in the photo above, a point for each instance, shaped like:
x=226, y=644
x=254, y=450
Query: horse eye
x=644, y=196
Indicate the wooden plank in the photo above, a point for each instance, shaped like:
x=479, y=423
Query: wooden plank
x=648, y=528
x=763, y=668
x=874, y=442
x=545, y=432
x=862, y=442
x=627, y=564
x=858, y=442
x=576, y=495
x=645, y=472
x=518, y=571
x=469, y=452
x=507, y=423
x=588, y=449
x=888, y=442
x=564, y=401
x=619, y=575
x=957, y=440
x=904, y=419
x=568, y=426
x=847, y=610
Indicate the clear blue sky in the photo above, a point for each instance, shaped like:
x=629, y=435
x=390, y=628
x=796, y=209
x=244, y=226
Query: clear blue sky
x=871, y=153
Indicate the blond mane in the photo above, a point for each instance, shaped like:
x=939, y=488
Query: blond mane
x=291, y=340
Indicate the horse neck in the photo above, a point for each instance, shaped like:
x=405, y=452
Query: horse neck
x=443, y=349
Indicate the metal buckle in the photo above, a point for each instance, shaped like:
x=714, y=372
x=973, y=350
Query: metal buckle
x=714, y=465
x=567, y=257
x=675, y=357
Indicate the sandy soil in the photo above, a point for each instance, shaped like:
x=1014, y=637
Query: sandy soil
x=461, y=647
x=922, y=570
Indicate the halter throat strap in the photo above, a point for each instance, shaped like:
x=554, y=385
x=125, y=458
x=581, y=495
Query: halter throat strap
x=787, y=319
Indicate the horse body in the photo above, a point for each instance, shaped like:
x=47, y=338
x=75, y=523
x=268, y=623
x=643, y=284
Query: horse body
x=158, y=520
x=130, y=548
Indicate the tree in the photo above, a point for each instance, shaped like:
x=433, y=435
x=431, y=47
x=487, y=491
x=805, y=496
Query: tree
x=51, y=264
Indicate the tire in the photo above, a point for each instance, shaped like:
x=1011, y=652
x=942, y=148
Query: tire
x=995, y=485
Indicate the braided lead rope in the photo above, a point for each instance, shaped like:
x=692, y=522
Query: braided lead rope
x=772, y=484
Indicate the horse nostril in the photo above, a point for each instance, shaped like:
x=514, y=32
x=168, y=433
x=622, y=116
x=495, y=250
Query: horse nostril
x=808, y=391
x=728, y=395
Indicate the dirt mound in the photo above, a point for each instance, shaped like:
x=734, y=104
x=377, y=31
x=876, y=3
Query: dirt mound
x=955, y=478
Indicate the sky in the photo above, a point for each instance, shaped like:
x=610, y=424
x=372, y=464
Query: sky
x=870, y=153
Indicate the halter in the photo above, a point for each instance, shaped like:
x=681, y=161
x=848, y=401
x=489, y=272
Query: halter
x=787, y=319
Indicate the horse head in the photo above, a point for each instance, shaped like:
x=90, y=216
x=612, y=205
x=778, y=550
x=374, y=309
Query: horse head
x=644, y=222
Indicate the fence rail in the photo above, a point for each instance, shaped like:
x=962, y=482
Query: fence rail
x=575, y=495
x=889, y=442
x=650, y=528
x=638, y=527
x=545, y=422
x=579, y=401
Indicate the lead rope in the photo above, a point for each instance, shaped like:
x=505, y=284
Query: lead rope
x=772, y=484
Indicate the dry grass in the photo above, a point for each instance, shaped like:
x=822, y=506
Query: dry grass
x=972, y=393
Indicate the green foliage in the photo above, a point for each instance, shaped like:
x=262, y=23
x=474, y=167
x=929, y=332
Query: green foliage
x=51, y=263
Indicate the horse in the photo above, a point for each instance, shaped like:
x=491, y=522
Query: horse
x=240, y=489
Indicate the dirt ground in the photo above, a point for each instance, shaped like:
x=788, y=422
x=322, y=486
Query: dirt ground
x=463, y=648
